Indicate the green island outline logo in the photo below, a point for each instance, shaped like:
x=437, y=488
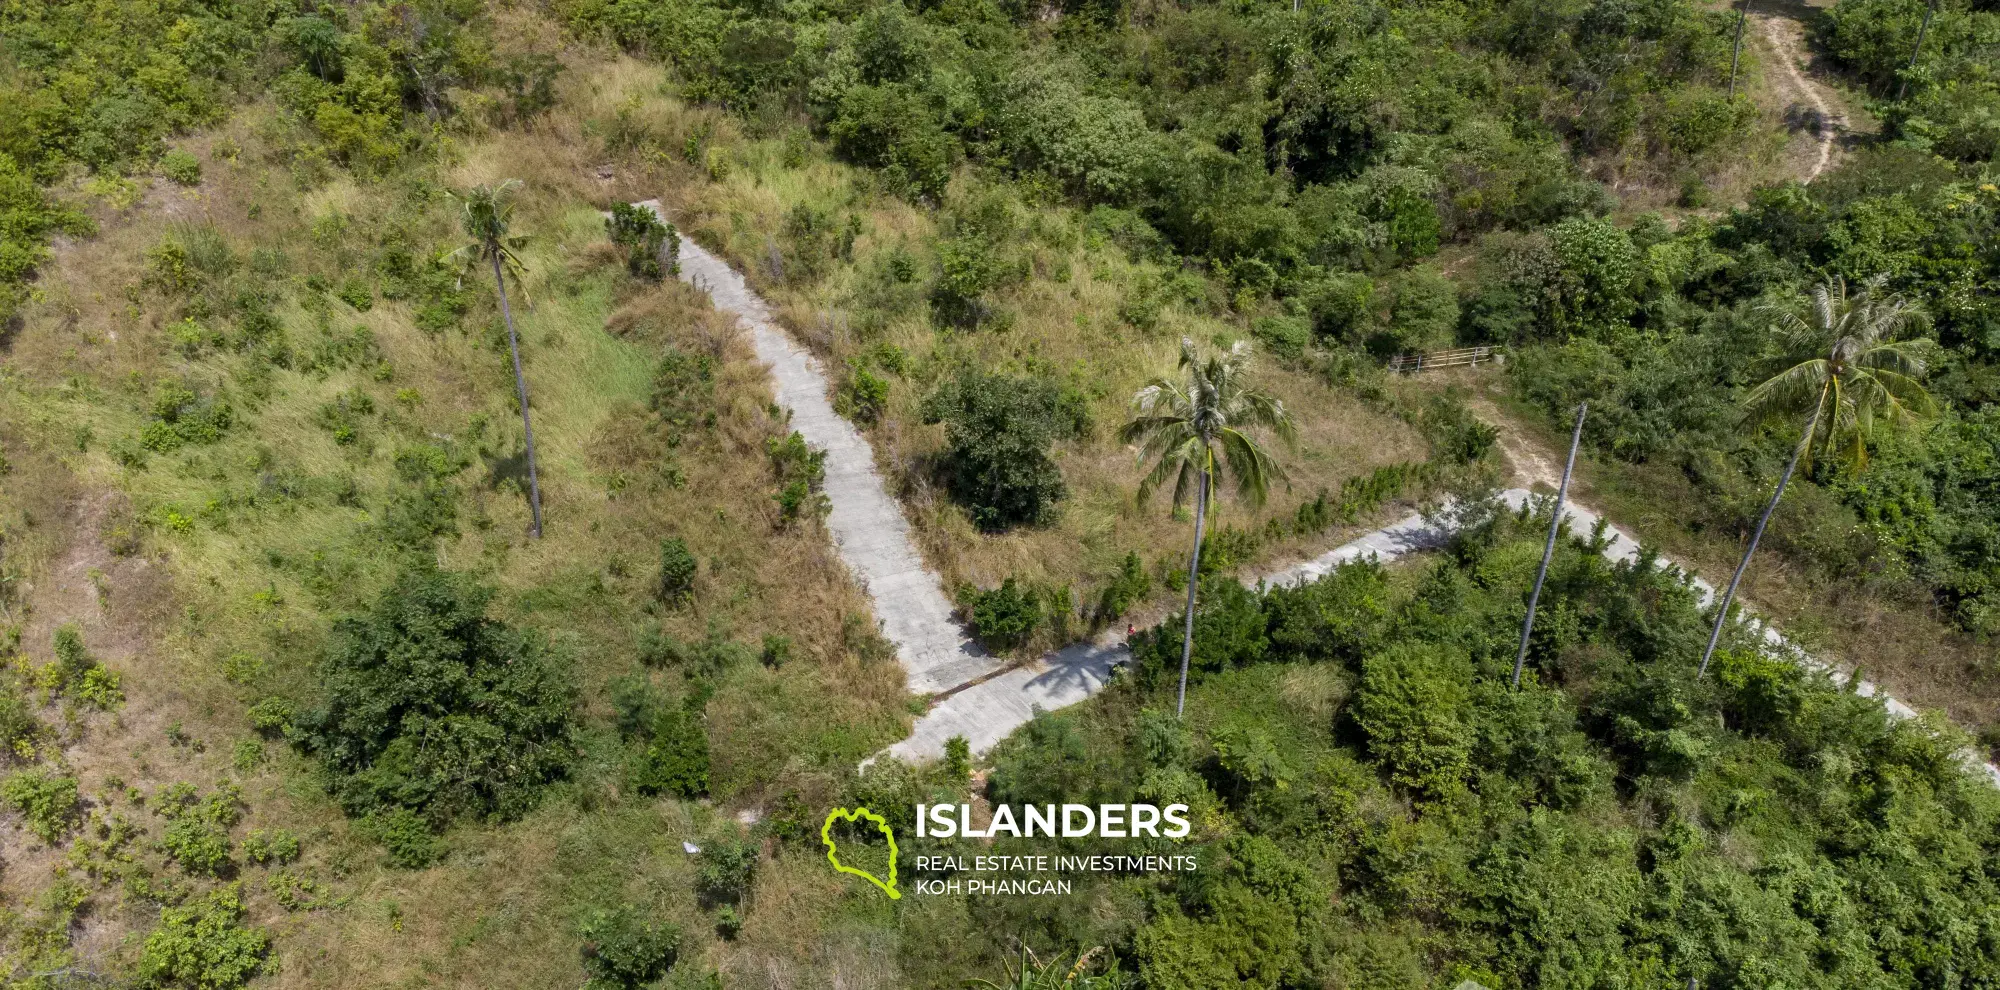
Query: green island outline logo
x=833, y=856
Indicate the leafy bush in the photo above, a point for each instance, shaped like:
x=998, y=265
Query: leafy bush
x=432, y=707
x=273, y=715
x=1129, y=588
x=675, y=760
x=1230, y=629
x=863, y=396
x=1003, y=618
x=46, y=799
x=893, y=128
x=79, y=675
x=276, y=847
x=652, y=247
x=181, y=167
x=182, y=418
x=1285, y=336
x=728, y=868
x=1457, y=436
x=801, y=473
x=997, y=433
x=678, y=569
x=407, y=837
x=20, y=731
x=1414, y=705
x=684, y=389
x=204, y=945
x=623, y=950
x=197, y=835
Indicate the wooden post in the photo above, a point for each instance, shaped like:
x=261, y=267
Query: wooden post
x=1549, y=548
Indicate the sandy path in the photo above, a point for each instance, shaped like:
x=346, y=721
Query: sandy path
x=1784, y=35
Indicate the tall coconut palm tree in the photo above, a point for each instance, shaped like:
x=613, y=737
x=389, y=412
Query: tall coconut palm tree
x=1191, y=429
x=1850, y=372
x=487, y=212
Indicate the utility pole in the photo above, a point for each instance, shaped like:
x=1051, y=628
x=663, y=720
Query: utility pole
x=1549, y=548
x=1922, y=29
x=1736, y=55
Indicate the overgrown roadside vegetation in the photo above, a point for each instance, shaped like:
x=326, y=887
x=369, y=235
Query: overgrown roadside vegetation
x=1375, y=808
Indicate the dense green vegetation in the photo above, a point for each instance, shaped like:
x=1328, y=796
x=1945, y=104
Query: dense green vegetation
x=432, y=708
x=1667, y=390
x=1294, y=154
x=1375, y=808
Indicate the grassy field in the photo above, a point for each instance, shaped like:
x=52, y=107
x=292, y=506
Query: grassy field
x=207, y=576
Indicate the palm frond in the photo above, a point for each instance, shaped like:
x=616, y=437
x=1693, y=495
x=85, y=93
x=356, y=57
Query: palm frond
x=1252, y=468
x=1787, y=394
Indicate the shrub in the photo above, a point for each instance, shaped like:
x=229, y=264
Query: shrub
x=276, y=847
x=675, y=761
x=684, y=389
x=1229, y=631
x=801, y=471
x=1414, y=705
x=197, y=835
x=652, y=247
x=20, y=731
x=1455, y=433
x=728, y=922
x=46, y=799
x=893, y=128
x=273, y=715
x=728, y=868
x=677, y=571
x=998, y=431
x=1130, y=587
x=204, y=945
x=1285, y=336
x=356, y=292
x=79, y=675
x=182, y=418
x=406, y=837
x=196, y=844
x=181, y=167
x=433, y=707
x=863, y=396
x=1003, y=618
x=957, y=760
x=622, y=950
x=1424, y=311
x=777, y=650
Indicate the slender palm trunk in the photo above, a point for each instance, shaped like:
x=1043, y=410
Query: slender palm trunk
x=1922, y=29
x=1736, y=53
x=1722, y=607
x=1194, y=582
x=1549, y=548
x=521, y=391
